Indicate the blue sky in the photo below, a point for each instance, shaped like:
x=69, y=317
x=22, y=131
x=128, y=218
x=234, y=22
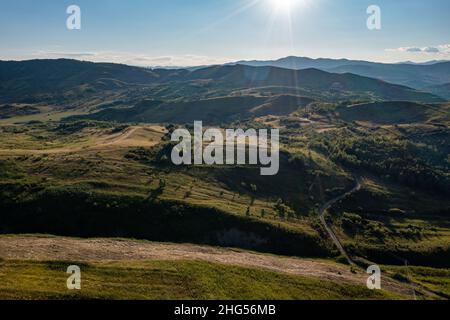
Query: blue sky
x=194, y=32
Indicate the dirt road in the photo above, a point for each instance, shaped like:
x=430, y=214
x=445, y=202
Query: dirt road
x=330, y=231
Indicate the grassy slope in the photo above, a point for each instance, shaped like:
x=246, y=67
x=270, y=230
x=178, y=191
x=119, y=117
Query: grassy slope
x=107, y=171
x=391, y=218
x=379, y=219
x=435, y=280
x=386, y=112
x=104, y=173
x=167, y=280
x=68, y=79
x=210, y=111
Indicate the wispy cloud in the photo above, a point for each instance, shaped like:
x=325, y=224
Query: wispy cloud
x=443, y=49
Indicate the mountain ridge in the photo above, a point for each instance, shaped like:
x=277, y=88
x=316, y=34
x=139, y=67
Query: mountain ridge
x=41, y=78
x=416, y=75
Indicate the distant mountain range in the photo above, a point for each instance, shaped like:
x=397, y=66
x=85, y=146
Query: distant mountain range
x=41, y=79
x=414, y=75
x=423, y=63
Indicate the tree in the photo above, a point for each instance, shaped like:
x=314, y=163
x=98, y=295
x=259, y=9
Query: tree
x=283, y=210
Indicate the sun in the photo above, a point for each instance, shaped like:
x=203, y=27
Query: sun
x=285, y=5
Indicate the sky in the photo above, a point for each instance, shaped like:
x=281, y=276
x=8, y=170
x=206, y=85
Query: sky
x=204, y=32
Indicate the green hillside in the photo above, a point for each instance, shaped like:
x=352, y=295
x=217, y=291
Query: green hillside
x=66, y=80
x=391, y=112
x=189, y=280
x=210, y=111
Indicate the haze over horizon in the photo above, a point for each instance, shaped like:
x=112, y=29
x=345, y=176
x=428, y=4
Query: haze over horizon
x=192, y=33
x=243, y=61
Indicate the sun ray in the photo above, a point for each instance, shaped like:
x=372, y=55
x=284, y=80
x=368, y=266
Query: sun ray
x=238, y=11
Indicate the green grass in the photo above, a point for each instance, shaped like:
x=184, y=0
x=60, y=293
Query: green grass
x=435, y=280
x=308, y=177
x=168, y=280
x=386, y=112
x=108, y=171
x=44, y=116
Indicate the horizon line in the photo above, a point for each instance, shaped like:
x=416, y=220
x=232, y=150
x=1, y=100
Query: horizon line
x=230, y=62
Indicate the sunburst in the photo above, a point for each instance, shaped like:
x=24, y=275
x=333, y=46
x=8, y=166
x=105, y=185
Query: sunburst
x=286, y=5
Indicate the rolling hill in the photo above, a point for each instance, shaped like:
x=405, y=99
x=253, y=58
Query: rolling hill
x=211, y=111
x=19, y=79
x=442, y=90
x=293, y=62
x=417, y=76
x=392, y=112
x=39, y=80
x=313, y=79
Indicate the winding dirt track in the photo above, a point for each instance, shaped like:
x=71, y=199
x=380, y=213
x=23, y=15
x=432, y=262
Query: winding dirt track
x=338, y=243
x=43, y=248
x=330, y=231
